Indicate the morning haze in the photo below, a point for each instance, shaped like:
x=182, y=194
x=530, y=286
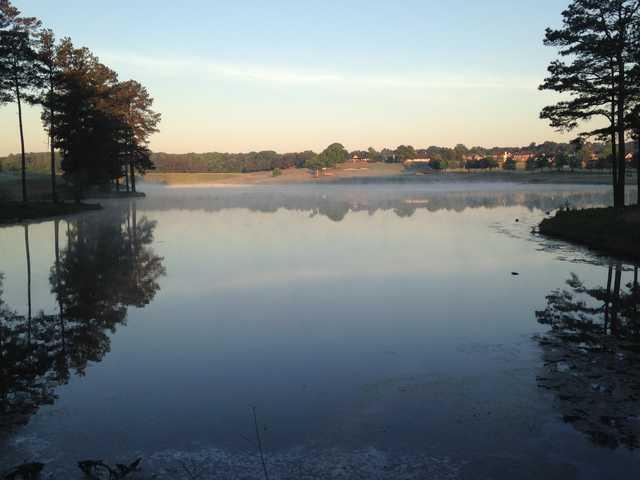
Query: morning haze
x=320, y=240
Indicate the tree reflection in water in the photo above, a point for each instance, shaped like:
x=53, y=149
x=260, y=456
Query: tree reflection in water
x=107, y=266
x=592, y=356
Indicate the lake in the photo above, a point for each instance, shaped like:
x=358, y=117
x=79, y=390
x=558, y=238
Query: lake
x=367, y=331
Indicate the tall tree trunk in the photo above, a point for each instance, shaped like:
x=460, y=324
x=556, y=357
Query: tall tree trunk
x=54, y=193
x=23, y=165
x=614, y=151
x=133, y=177
x=622, y=174
x=56, y=225
x=638, y=167
x=608, y=301
x=134, y=224
x=56, y=236
x=615, y=303
x=126, y=178
x=28, y=255
x=614, y=166
x=622, y=164
x=634, y=297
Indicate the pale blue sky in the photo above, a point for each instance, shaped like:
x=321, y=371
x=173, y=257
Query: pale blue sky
x=293, y=74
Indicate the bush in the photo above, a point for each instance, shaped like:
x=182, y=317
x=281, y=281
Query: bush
x=509, y=164
x=276, y=172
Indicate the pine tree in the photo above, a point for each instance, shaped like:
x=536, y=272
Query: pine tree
x=46, y=81
x=133, y=105
x=17, y=61
x=598, y=39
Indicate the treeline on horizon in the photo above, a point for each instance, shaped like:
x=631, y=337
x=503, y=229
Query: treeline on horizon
x=98, y=125
x=442, y=157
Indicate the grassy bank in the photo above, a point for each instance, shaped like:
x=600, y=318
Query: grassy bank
x=615, y=232
x=18, y=212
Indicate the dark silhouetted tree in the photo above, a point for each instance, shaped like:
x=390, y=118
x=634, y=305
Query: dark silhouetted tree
x=17, y=66
x=598, y=42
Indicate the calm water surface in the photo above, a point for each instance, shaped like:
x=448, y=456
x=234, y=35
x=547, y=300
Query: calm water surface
x=379, y=331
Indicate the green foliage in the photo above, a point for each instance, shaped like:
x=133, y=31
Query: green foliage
x=562, y=161
x=437, y=164
x=541, y=162
x=404, y=153
x=510, y=164
x=18, y=71
x=482, y=164
x=36, y=162
x=491, y=163
x=597, y=75
x=216, y=162
x=373, y=155
x=317, y=162
x=333, y=155
x=276, y=172
x=100, y=126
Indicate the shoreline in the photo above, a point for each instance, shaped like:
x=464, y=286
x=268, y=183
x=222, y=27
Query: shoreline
x=16, y=213
x=604, y=230
x=375, y=174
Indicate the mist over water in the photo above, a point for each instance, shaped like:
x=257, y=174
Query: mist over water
x=372, y=327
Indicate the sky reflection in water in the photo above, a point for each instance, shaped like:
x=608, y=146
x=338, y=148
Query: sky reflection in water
x=353, y=318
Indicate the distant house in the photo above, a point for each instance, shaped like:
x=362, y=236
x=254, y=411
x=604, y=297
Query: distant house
x=501, y=158
x=419, y=160
x=593, y=162
x=357, y=157
x=521, y=158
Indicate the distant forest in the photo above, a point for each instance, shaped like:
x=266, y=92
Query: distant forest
x=216, y=162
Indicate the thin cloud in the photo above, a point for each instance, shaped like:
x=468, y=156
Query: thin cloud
x=284, y=75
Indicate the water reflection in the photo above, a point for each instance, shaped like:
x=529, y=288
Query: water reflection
x=336, y=202
x=106, y=267
x=592, y=356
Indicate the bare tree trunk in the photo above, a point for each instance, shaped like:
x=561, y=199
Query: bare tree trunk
x=54, y=193
x=622, y=176
x=134, y=225
x=634, y=296
x=614, y=153
x=638, y=168
x=615, y=304
x=133, y=177
x=23, y=164
x=28, y=255
x=56, y=225
x=126, y=178
x=607, y=301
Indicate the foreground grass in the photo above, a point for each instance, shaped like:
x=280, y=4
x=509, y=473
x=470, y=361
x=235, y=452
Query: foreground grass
x=611, y=231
